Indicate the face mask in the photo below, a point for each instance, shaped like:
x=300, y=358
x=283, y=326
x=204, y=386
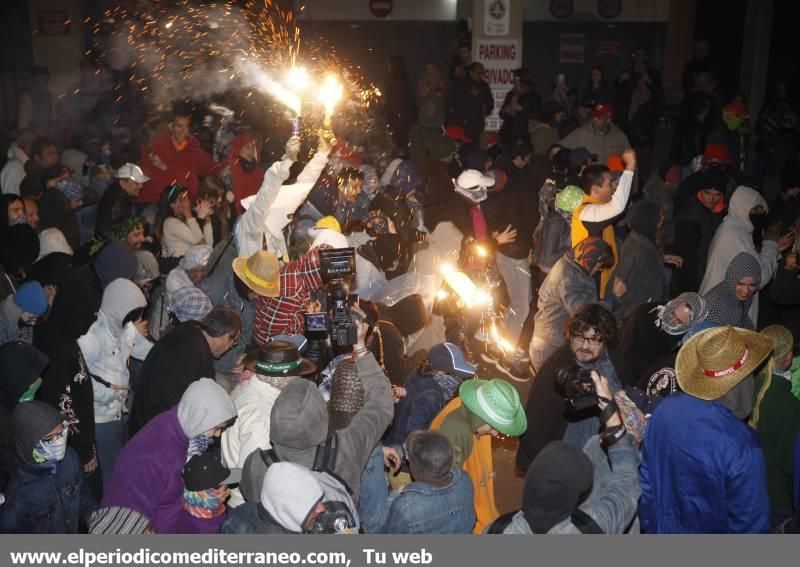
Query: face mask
x=51, y=451
x=205, y=503
x=759, y=222
x=199, y=445
x=247, y=165
x=15, y=222
x=336, y=519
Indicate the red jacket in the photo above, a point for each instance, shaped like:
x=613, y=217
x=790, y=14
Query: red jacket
x=244, y=184
x=184, y=166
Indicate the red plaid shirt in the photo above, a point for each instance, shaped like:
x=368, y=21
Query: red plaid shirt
x=283, y=315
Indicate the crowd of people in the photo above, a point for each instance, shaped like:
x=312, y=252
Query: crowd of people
x=162, y=369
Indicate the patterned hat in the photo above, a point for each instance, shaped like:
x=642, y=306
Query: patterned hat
x=190, y=304
x=71, y=188
x=569, y=198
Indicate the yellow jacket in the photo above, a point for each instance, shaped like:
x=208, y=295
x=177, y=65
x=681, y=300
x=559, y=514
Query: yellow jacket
x=476, y=454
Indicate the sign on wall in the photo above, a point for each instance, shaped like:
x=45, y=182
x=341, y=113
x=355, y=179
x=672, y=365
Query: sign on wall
x=500, y=58
x=572, y=48
x=497, y=17
x=53, y=22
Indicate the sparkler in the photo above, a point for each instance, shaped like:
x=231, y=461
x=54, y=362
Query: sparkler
x=329, y=94
x=299, y=80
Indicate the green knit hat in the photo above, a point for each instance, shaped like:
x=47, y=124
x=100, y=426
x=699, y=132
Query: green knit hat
x=497, y=403
x=569, y=198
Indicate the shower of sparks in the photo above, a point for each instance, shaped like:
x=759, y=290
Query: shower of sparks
x=242, y=50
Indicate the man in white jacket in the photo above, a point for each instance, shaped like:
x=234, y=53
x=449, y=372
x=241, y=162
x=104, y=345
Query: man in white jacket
x=735, y=235
x=258, y=229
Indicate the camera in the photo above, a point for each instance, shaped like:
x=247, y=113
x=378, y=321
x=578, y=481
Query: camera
x=578, y=388
x=336, y=265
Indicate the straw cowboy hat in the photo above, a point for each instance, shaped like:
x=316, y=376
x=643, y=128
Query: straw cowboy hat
x=715, y=360
x=260, y=272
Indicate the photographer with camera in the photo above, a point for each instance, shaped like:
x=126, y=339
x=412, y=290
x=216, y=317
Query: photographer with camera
x=299, y=425
x=572, y=491
x=565, y=376
x=569, y=286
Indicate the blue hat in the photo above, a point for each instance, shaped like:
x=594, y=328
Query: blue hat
x=449, y=358
x=407, y=177
x=580, y=156
x=31, y=298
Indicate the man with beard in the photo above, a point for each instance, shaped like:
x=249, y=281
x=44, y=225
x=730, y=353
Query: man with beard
x=591, y=332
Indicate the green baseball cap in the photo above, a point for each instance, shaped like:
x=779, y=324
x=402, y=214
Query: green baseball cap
x=569, y=198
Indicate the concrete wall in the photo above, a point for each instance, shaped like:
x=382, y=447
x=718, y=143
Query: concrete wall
x=449, y=10
x=61, y=54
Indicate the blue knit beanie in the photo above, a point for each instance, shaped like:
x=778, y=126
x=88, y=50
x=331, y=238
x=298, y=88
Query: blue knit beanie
x=31, y=298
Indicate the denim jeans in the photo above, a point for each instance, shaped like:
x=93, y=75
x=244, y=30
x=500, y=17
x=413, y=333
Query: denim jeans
x=517, y=276
x=372, y=503
x=109, y=438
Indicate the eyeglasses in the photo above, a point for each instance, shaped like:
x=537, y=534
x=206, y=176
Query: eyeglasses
x=235, y=341
x=592, y=341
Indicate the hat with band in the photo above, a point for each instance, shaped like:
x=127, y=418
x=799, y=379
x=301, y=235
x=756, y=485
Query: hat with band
x=260, y=272
x=497, y=403
x=714, y=361
x=282, y=358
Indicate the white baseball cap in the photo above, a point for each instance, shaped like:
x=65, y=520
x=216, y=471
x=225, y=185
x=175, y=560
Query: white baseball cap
x=133, y=172
x=472, y=184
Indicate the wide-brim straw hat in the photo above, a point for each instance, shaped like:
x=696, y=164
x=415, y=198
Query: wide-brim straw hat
x=260, y=272
x=715, y=360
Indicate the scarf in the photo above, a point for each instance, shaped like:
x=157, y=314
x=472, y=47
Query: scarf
x=724, y=308
x=205, y=504
x=695, y=302
x=198, y=445
x=449, y=384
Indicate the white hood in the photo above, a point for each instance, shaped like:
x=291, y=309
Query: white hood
x=331, y=238
x=742, y=201
x=120, y=298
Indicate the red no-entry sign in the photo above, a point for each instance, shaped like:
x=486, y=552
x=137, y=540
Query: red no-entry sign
x=380, y=8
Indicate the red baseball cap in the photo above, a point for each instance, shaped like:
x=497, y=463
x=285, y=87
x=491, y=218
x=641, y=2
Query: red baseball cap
x=615, y=164
x=737, y=107
x=716, y=153
x=457, y=133
x=603, y=109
